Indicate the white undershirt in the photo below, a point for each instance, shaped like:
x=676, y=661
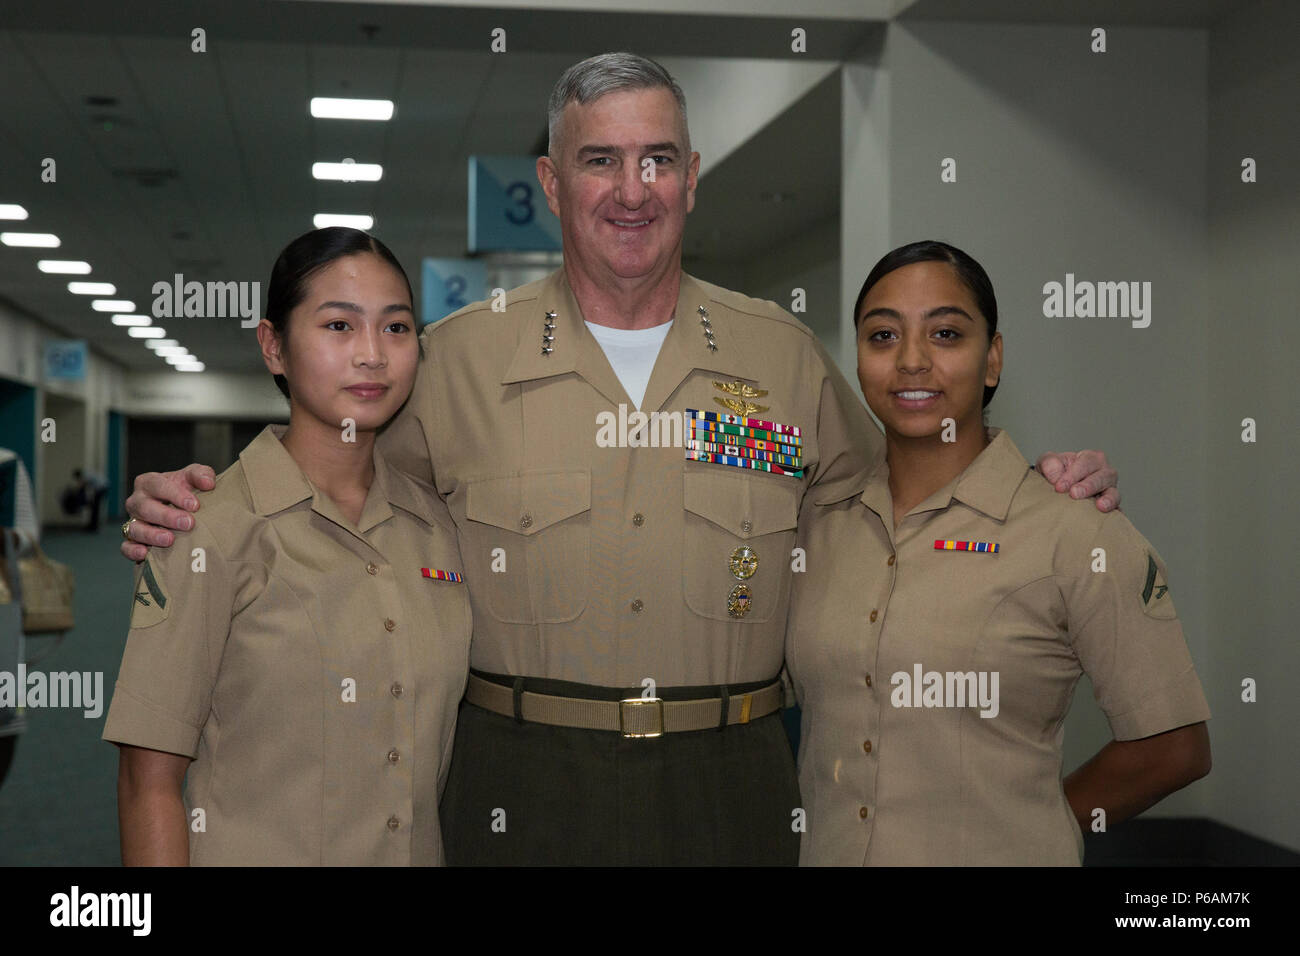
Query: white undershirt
x=632, y=354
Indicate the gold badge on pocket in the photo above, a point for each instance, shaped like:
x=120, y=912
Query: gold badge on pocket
x=738, y=600
x=743, y=563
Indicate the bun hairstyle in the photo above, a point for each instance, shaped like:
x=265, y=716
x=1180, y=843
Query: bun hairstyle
x=970, y=272
x=301, y=259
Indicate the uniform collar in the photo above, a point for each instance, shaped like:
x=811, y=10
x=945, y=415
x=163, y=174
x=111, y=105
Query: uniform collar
x=987, y=484
x=575, y=349
x=276, y=482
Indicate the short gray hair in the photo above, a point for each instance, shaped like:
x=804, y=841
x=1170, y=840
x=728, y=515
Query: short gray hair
x=608, y=73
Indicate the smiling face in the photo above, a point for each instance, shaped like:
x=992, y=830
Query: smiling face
x=617, y=225
x=924, y=352
x=352, y=350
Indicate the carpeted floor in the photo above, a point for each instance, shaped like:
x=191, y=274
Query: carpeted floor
x=58, y=805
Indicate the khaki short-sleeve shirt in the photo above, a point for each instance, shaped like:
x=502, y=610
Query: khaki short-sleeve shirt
x=307, y=665
x=935, y=672
x=595, y=550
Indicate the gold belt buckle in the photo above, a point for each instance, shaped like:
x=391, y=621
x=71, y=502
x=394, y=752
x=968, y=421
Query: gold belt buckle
x=639, y=702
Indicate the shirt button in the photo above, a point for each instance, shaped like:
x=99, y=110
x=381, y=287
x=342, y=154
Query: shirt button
x=890, y=562
x=866, y=745
x=868, y=680
x=638, y=606
x=396, y=690
x=394, y=756
x=862, y=813
x=394, y=823
x=371, y=568
x=526, y=520
x=873, y=615
x=389, y=624
x=638, y=519
x=747, y=526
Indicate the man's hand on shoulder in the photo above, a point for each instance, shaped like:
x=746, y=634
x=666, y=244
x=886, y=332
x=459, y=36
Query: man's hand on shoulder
x=149, y=506
x=1084, y=474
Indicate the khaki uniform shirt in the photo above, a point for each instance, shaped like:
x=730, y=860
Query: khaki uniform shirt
x=610, y=565
x=310, y=668
x=897, y=770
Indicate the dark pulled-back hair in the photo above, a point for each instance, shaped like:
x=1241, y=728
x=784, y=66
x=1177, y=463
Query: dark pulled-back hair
x=303, y=258
x=970, y=272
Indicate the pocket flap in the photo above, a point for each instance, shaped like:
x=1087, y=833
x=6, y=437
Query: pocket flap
x=527, y=504
x=729, y=501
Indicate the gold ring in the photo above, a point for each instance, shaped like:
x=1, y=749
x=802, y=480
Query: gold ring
x=126, y=528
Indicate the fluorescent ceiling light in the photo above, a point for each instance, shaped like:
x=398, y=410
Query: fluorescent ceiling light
x=30, y=240
x=146, y=332
x=171, y=351
x=113, y=305
x=323, y=220
x=344, y=172
x=326, y=107
x=92, y=288
x=123, y=319
x=161, y=343
x=11, y=211
x=64, y=267
x=189, y=366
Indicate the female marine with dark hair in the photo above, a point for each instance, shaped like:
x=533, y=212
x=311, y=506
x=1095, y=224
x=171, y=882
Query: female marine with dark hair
x=302, y=656
x=952, y=602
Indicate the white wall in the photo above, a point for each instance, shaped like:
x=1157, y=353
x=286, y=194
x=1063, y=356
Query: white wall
x=729, y=100
x=1254, y=523
x=202, y=395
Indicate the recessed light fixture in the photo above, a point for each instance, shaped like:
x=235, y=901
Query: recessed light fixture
x=123, y=319
x=160, y=343
x=64, y=267
x=113, y=305
x=323, y=220
x=92, y=288
x=30, y=240
x=326, y=107
x=189, y=367
x=348, y=172
x=146, y=332
x=169, y=351
x=12, y=211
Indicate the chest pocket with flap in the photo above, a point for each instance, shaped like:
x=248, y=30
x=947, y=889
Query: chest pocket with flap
x=725, y=512
x=528, y=540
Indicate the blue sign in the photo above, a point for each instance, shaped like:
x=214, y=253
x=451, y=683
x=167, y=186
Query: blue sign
x=507, y=208
x=65, y=360
x=450, y=284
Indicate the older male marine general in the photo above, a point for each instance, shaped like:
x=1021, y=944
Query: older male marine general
x=629, y=598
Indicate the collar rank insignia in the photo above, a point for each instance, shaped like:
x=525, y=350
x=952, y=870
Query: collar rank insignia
x=548, y=334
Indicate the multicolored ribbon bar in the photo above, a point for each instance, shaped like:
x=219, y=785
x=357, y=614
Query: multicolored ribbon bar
x=789, y=431
x=700, y=431
x=991, y=547
x=693, y=455
x=454, y=576
x=742, y=451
